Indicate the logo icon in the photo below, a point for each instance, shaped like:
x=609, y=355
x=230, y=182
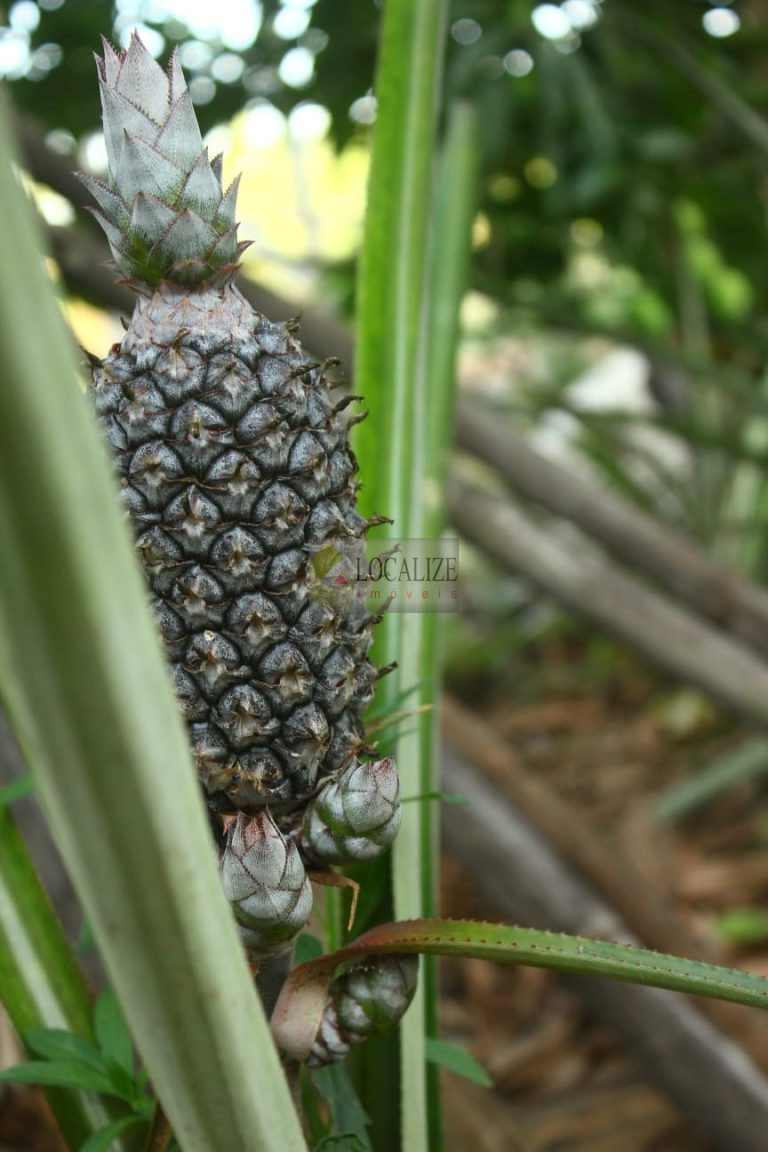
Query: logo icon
x=331, y=578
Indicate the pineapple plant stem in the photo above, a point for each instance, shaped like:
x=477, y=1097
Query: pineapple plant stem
x=160, y=1132
x=270, y=977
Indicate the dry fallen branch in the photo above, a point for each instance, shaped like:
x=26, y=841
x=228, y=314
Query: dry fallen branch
x=599, y=590
x=678, y=564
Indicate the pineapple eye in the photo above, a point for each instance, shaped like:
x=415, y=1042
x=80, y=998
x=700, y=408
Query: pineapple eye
x=199, y=429
x=285, y=670
x=209, y=746
x=278, y=516
x=190, y=698
x=107, y=391
x=262, y=778
x=213, y=661
x=235, y=479
x=192, y=514
x=152, y=469
x=247, y=716
x=306, y=723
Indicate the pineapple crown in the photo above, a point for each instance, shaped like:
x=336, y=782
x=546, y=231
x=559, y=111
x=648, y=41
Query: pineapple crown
x=163, y=208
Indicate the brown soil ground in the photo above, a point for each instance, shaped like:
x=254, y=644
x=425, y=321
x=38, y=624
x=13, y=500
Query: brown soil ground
x=563, y=1082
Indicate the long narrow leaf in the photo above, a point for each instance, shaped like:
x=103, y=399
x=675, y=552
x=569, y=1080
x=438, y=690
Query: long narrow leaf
x=455, y=204
x=299, y=1009
x=392, y=372
x=56, y=1044
x=454, y=207
x=58, y=1074
x=710, y=780
x=445, y=1055
x=112, y=1033
x=89, y=694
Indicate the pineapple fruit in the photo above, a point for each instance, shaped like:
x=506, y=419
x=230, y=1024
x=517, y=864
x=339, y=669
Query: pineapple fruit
x=366, y=999
x=235, y=467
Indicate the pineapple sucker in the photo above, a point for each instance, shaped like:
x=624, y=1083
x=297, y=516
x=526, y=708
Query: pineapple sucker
x=235, y=466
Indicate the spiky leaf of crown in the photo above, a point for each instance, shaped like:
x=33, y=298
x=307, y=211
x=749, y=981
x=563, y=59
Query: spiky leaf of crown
x=163, y=208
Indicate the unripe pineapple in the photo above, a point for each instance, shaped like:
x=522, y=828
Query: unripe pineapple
x=365, y=1000
x=356, y=816
x=265, y=882
x=235, y=466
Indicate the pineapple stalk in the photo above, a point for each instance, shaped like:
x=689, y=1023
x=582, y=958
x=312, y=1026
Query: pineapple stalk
x=236, y=469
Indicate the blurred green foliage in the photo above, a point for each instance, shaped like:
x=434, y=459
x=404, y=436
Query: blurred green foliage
x=622, y=194
x=599, y=143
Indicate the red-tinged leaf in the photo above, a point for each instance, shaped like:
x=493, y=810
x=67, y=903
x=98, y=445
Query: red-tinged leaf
x=299, y=1009
x=300, y=1006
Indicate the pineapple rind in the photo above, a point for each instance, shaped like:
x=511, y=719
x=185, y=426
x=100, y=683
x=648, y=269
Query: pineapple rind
x=235, y=467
